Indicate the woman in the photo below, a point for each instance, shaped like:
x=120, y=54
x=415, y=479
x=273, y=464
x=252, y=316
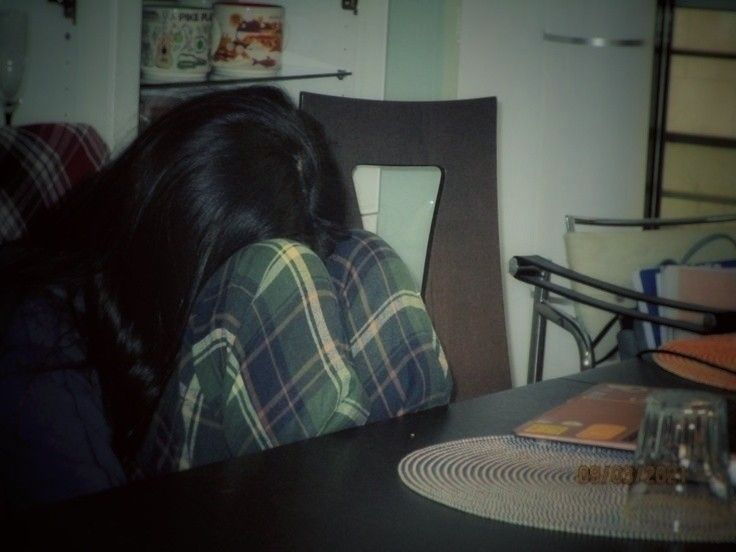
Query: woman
x=204, y=287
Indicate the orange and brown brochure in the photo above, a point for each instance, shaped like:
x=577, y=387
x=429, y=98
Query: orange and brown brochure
x=606, y=415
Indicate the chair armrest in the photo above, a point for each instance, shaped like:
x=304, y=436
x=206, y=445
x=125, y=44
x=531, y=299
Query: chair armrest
x=531, y=269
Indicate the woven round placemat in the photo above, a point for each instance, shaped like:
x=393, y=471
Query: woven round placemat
x=533, y=483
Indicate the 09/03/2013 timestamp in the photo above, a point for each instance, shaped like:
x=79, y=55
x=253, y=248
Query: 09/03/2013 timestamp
x=617, y=474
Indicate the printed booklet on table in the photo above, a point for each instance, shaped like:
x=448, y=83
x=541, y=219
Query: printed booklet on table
x=606, y=415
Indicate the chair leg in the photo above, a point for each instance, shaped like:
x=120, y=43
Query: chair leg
x=539, y=333
x=543, y=311
x=570, y=324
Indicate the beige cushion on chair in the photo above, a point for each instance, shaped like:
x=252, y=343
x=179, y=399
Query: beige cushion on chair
x=614, y=256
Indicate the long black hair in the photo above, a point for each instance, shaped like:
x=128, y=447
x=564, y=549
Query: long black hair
x=211, y=176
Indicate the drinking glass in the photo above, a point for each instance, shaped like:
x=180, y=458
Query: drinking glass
x=13, y=46
x=681, y=483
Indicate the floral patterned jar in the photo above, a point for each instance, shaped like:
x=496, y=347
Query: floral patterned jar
x=175, y=42
x=247, y=39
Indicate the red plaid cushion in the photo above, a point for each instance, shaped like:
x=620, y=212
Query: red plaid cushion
x=39, y=164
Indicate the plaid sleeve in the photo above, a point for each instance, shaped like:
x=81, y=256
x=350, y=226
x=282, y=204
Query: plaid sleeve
x=282, y=347
x=265, y=362
x=395, y=350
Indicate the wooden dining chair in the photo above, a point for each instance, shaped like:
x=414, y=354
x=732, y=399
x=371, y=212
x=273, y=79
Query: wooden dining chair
x=462, y=273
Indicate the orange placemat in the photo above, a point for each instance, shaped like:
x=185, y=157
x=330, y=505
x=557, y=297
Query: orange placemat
x=718, y=349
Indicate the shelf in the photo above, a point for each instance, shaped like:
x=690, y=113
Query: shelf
x=287, y=73
x=699, y=140
x=694, y=196
x=702, y=53
x=158, y=98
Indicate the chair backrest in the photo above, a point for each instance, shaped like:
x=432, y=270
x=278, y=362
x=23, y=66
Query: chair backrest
x=614, y=256
x=462, y=282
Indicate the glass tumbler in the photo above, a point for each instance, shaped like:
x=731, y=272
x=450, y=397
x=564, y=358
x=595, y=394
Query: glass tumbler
x=681, y=484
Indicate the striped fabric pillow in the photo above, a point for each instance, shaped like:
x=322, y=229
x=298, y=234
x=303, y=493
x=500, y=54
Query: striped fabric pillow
x=39, y=164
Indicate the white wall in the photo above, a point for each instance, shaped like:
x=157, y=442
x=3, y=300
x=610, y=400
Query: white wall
x=85, y=72
x=419, y=66
x=572, y=130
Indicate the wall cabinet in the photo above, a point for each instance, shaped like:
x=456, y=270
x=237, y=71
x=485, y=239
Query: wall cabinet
x=88, y=71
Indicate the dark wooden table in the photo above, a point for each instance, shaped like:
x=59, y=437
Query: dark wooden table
x=337, y=492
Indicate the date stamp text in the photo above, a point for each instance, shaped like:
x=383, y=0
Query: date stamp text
x=616, y=474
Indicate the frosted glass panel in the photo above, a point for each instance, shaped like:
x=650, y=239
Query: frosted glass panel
x=708, y=30
x=406, y=207
x=367, y=181
x=702, y=96
x=700, y=169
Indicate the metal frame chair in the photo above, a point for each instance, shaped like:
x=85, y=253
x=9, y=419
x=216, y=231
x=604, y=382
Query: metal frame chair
x=537, y=271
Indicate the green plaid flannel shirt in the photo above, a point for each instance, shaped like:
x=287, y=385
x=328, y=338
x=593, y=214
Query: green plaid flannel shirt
x=282, y=346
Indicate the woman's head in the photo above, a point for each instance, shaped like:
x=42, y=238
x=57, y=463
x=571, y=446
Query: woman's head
x=218, y=171
x=244, y=162
x=211, y=176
